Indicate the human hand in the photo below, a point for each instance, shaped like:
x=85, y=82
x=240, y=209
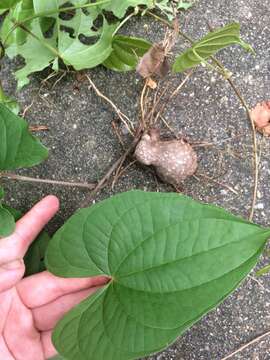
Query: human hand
x=31, y=307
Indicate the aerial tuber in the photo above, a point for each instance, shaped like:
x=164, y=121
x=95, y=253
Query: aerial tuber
x=261, y=117
x=173, y=160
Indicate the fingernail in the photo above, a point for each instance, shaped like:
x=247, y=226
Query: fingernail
x=13, y=265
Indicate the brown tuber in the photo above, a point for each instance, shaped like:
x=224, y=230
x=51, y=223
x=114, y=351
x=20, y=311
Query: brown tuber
x=173, y=160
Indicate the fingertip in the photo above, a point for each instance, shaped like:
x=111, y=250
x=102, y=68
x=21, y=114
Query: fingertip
x=52, y=201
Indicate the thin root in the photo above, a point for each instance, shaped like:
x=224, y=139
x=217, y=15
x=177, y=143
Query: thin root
x=257, y=339
x=230, y=188
x=124, y=118
x=46, y=181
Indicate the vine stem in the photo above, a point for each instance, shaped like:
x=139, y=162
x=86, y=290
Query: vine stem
x=242, y=101
x=134, y=13
x=258, y=338
x=52, y=12
x=46, y=181
x=123, y=117
x=102, y=182
x=44, y=43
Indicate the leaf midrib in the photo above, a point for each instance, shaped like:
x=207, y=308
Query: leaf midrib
x=164, y=228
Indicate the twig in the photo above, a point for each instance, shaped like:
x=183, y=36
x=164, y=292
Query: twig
x=255, y=145
x=117, y=133
x=156, y=103
x=258, y=338
x=59, y=79
x=134, y=13
x=121, y=171
x=173, y=94
x=35, y=128
x=259, y=283
x=28, y=107
x=124, y=118
x=142, y=103
x=167, y=125
x=111, y=170
x=46, y=181
x=165, y=22
x=218, y=183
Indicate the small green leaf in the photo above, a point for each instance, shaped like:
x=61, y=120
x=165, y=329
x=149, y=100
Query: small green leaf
x=263, y=271
x=15, y=213
x=168, y=8
x=184, y=5
x=126, y=52
x=12, y=39
x=7, y=223
x=120, y=7
x=208, y=46
x=18, y=147
x=170, y=259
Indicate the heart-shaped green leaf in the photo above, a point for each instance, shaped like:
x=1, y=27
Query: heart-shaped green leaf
x=209, y=45
x=170, y=259
x=126, y=53
x=18, y=148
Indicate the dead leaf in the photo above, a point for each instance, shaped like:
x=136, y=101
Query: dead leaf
x=153, y=62
x=151, y=83
x=260, y=114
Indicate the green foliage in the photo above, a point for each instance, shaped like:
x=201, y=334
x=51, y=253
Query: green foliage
x=170, y=259
x=119, y=7
x=7, y=223
x=208, y=46
x=8, y=101
x=18, y=147
x=14, y=212
x=263, y=271
x=13, y=36
x=126, y=52
x=7, y=4
x=29, y=35
x=34, y=258
x=168, y=9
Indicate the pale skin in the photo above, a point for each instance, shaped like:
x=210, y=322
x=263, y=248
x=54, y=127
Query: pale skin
x=31, y=307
